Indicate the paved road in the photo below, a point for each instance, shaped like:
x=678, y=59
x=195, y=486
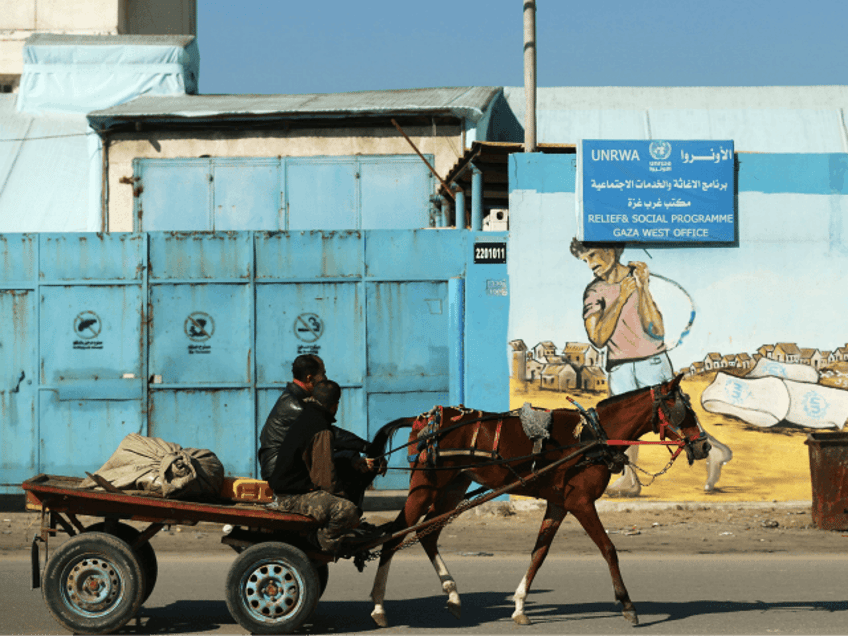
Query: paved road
x=706, y=594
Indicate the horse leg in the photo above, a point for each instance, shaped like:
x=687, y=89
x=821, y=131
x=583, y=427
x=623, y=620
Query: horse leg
x=447, y=501
x=554, y=514
x=587, y=515
x=417, y=504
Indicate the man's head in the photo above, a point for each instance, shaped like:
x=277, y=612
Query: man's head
x=327, y=393
x=307, y=371
x=602, y=258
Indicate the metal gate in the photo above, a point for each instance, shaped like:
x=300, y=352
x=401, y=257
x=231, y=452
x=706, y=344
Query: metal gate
x=190, y=336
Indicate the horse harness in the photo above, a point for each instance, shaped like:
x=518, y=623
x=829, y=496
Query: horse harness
x=428, y=427
x=666, y=417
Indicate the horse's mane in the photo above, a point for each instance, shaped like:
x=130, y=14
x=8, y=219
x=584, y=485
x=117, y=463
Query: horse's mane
x=377, y=446
x=613, y=399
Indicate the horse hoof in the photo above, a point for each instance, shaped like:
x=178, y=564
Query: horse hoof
x=631, y=616
x=380, y=619
x=521, y=619
x=455, y=609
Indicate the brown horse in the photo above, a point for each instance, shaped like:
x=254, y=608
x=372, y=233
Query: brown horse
x=493, y=450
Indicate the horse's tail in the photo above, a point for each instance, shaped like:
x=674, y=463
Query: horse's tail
x=377, y=447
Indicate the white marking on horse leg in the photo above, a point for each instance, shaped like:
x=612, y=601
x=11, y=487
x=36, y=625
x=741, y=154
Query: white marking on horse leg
x=378, y=595
x=520, y=595
x=448, y=584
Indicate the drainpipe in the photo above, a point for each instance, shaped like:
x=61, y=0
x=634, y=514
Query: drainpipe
x=476, y=198
x=459, y=221
x=443, y=211
x=104, y=184
x=530, y=75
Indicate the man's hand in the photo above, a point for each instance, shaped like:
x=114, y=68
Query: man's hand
x=640, y=274
x=369, y=465
x=628, y=286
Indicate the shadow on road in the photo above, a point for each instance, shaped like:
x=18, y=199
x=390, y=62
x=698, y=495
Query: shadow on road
x=478, y=608
x=657, y=613
x=181, y=617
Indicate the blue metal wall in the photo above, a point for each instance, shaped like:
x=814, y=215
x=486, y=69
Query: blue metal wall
x=190, y=336
x=283, y=193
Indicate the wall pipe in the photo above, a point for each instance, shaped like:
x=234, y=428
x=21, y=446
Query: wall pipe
x=530, y=75
x=476, y=198
x=459, y=221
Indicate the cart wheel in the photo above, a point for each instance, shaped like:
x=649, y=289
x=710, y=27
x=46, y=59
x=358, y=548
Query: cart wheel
x=272, y=588
x=145, y=554
x=323, y=571
x=93, y=583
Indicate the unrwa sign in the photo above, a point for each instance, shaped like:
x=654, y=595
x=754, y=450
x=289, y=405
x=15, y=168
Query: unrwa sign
x=655, y=191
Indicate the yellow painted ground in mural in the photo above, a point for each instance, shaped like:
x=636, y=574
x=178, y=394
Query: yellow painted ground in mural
x=767, y=465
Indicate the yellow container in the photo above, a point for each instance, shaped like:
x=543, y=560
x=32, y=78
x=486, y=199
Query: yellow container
x=247, y=489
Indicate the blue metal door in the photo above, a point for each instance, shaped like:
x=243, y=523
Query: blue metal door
x=247, y=195
x=91, y=351
x=282, y=193
x=408, y=356
x=200, y=355
x=322, y=193
x=18, y=432
x=175, y=194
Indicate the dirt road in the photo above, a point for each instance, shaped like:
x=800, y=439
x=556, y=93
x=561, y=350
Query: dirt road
x=511, y=528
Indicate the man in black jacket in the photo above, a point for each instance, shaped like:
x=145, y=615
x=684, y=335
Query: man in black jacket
x=354, y=472
x=304, y=479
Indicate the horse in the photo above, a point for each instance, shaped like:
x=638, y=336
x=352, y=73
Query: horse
x=493, y=450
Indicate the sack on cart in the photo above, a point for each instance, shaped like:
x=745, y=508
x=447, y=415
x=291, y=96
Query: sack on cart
x=153, y=465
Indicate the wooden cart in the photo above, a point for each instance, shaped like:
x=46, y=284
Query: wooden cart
x=98, y=579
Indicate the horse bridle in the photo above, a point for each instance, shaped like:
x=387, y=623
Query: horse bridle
x=670, y=417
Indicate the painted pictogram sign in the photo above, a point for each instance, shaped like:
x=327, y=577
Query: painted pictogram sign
x=87, y=325
x=308, y=327
x=199, y=326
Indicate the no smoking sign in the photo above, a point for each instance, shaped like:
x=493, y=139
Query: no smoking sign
x=308, y=327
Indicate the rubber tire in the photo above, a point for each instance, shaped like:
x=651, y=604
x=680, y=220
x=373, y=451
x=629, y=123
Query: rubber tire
x=323, y=571
x=285, y=565
x=105, y=554
x=145, y=554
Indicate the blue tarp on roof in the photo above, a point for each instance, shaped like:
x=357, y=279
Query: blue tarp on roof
x=78, y=74
x=50, y=159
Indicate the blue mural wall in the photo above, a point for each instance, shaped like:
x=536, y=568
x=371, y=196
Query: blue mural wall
x=782, y=281
x=768, y=348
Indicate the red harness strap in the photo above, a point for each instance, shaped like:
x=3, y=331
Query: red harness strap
x=497, y=437
x=663, y=426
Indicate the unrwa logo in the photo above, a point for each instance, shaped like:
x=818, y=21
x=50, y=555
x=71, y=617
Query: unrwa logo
x=737, y=392
x=775, y=369
x=660, y=150
x=814, y=405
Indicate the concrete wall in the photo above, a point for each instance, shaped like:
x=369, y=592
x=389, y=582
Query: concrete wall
x=123, y=149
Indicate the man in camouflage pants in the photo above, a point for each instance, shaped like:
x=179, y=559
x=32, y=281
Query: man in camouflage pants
x=304, y=478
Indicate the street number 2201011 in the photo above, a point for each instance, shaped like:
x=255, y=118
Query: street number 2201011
x=490, y=253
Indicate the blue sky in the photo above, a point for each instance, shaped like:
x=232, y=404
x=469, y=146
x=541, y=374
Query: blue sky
x=321, y=46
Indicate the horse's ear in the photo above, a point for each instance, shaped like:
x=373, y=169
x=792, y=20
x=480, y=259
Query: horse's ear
x=675, y=382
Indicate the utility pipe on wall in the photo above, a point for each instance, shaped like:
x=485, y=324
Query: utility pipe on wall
x=530, y=75
x=459, y=221
x=476, y=198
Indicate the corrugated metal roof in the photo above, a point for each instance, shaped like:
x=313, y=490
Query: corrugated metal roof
x=468, y=102
x=780, y=119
